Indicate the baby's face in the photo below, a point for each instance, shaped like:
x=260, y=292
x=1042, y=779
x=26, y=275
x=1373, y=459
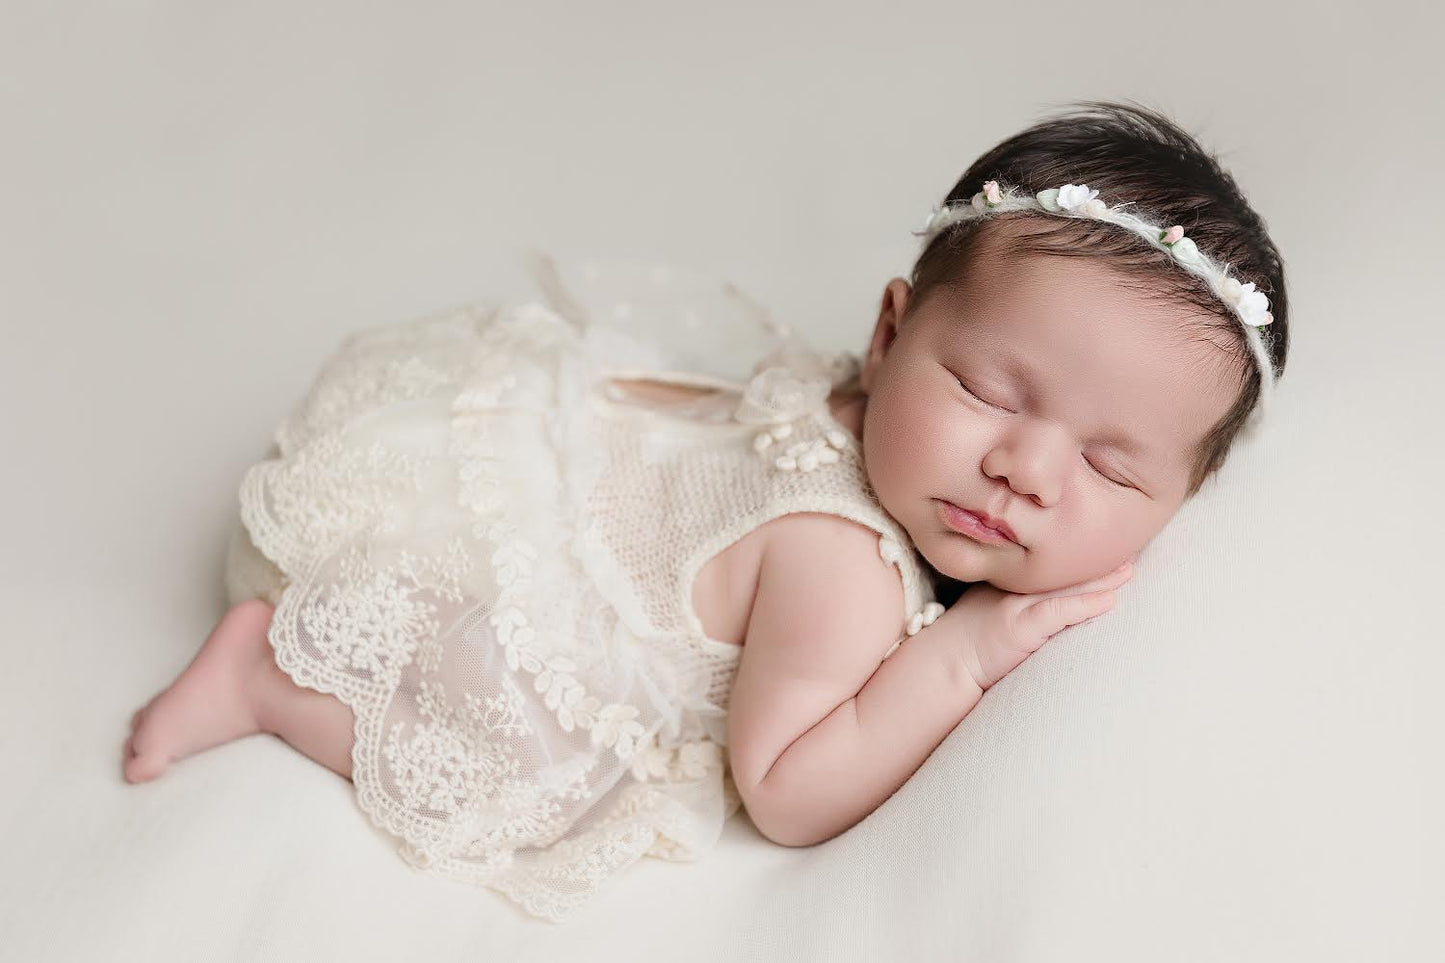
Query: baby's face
x=1083, y=398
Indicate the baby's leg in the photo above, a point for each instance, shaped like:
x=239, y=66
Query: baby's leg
x=233, y=688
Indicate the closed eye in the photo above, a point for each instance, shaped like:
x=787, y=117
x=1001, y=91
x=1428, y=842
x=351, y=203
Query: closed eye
x=962, y=384
x=1102, y=475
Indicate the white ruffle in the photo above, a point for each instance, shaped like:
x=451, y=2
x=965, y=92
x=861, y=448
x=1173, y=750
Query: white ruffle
x=496, y=579
x=435, y=582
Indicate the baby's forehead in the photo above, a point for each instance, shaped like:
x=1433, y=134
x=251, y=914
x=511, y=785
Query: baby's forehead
x=1081, y=340
x=1042, y=250
x=1020, y=275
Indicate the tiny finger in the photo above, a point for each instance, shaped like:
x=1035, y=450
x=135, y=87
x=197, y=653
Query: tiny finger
x=1052, y=615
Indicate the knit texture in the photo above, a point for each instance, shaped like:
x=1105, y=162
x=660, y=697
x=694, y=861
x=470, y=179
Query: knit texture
x=481, y=545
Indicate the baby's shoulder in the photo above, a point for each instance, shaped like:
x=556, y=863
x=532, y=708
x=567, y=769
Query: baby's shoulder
x=827, y=577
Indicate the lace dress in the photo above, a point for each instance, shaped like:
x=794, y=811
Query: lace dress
x=485, y=548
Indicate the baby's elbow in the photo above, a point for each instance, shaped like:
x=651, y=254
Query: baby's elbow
x=783, y=824
x=782, y=832
x=800, y=837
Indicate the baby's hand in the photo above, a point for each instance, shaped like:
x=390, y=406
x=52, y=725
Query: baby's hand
x=1000, y=629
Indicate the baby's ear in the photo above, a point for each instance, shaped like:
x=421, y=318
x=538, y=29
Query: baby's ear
x=891, y=310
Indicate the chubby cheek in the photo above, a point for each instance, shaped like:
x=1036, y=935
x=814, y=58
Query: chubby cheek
x=906, y=448
x=1069, y=561
x=1082, y=548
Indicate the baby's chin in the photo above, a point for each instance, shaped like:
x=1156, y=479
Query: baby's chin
x=973, y=566
x=997, y=565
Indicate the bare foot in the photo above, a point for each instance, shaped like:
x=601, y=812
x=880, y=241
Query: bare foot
x=210, y=703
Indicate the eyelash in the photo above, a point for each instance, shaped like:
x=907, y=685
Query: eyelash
x=1102, y=475
x=975, y=394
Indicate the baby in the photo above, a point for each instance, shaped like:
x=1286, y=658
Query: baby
x=1095, y=316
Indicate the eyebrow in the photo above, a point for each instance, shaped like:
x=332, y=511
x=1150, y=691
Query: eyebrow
x=1118, y=438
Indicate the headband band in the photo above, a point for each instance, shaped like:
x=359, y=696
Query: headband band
x=1249, y=306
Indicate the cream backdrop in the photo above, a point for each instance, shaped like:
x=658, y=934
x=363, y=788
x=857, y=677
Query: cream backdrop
x=198, y=200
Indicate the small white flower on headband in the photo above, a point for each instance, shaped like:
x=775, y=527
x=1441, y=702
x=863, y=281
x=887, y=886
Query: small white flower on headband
x=1073, y=197
x=1252, y=305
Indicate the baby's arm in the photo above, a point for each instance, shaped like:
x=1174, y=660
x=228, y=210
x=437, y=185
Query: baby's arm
x=819, y=732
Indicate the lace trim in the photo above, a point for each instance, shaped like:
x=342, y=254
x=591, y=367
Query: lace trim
x=350, y=623
x=535, y=785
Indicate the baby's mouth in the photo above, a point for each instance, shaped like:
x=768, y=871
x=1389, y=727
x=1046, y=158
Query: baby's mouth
x=974, y=525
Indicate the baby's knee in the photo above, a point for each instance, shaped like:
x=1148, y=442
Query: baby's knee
x=252, y=610
x=249, y=574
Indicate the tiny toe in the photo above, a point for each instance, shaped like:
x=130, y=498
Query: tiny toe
x=144, y=768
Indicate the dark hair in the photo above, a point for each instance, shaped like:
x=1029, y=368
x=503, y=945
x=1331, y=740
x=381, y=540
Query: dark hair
x=1133, y=155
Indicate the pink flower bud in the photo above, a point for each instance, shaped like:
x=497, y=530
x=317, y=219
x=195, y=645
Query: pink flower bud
x=990, y=192
x=1173, y=234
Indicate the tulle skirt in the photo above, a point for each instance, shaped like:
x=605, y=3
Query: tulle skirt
x=421, y=528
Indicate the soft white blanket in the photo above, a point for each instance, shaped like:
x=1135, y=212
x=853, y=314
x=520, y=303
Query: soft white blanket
x=1240, y=762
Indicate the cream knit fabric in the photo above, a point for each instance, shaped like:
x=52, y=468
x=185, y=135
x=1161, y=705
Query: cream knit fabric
x=476, y=541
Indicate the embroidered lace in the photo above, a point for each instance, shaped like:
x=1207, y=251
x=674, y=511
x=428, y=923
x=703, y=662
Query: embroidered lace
x=476, y=542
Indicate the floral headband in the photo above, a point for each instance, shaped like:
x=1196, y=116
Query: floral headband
x=1251, y=307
